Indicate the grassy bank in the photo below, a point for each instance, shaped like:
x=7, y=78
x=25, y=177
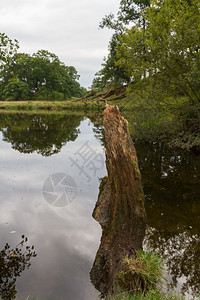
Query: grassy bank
x=173, y=120
x=170, y=119
x=49, y=106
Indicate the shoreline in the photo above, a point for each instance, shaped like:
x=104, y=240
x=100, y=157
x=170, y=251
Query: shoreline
x=26, y=105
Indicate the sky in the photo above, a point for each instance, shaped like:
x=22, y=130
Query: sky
x=67, y=28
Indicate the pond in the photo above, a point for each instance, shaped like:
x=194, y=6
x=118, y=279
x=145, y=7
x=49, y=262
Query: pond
x=50, y=169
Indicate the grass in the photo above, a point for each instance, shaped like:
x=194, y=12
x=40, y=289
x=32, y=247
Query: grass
x=141, y=272
x=49, y=106
x=28, y=298
x=172, y=120
x=148, y=268
x=150, y=295
x=141, y=278
x=46, y=112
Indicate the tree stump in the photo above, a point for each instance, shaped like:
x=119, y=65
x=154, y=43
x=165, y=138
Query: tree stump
x=120, y=207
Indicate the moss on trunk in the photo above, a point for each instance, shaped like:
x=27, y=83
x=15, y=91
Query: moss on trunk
x=120, y=203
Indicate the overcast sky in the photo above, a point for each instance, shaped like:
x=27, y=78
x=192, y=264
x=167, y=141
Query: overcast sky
x=68, y=28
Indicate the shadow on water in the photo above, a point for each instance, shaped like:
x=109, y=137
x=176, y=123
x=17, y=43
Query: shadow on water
x=12, y=263
x=171, y=182
x=45, y=134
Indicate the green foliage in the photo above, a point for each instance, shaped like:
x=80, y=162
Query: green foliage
x=139, y=279
x=112, y=74
x=160, y=54
x=189, y=134
x=140, y=273
x=129, y=11
x=42, y=73
x=16, y=90
x=166, y=50
x=152, y=114
x=157, y=116
x=7, y=48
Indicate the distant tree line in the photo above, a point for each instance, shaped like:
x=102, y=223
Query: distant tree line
x=38, y=76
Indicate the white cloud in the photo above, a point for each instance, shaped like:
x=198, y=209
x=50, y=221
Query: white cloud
x=66, y=28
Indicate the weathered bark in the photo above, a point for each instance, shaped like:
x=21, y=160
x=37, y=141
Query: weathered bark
x=120, y=207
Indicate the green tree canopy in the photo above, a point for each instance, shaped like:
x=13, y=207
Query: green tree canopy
x=167, y=49
x=16, y=90
x=40, y=75
x=111, y=74
x=7, y=48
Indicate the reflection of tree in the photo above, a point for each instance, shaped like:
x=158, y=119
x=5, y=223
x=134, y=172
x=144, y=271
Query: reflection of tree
x=98, y=129
x=171, y=185
x=181, y=253
x=43, y=133
x=12, y=263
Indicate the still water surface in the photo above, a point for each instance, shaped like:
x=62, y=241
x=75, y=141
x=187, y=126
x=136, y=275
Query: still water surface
x=40, y=148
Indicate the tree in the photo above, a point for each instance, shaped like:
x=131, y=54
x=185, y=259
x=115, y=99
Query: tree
x=120, y=207
x=44, y=73
x=111, y=75
x=17, y=90
x=129, y=12
x=7, y=48
x=167, y=49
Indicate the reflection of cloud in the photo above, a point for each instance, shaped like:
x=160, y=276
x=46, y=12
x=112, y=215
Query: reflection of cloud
x=63, y=273
x=66, y=239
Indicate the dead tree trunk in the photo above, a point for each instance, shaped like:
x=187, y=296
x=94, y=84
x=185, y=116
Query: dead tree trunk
x=120, y=206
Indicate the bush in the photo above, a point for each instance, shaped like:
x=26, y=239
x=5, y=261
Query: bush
x=17, y=90
x=56, y=96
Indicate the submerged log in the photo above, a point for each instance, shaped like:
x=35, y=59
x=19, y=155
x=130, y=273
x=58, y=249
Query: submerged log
x=120, y=207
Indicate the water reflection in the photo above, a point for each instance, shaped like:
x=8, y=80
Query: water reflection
x=181, y=253
x=42, y=133
x=171, y=184
x=98, y=129
x=12, y=263
x=66, y=238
